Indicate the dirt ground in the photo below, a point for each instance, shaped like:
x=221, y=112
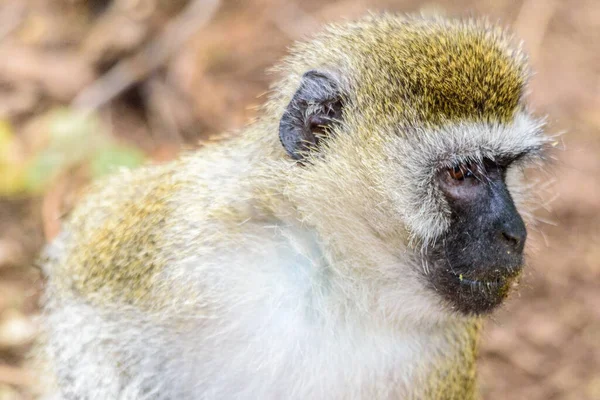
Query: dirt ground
x=162, y=75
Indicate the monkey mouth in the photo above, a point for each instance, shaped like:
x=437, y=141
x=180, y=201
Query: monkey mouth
x=493, y=281
x=477, y=293
x=478, y=283
x=499, y=285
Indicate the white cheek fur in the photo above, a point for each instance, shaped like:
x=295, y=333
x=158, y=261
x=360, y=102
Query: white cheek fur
x=420, y=203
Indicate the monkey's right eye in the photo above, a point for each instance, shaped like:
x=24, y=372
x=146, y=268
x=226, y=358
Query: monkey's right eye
x=461, y=171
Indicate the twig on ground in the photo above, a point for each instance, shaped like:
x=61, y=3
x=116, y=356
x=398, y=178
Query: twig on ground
x=61, y=74
x=138, y=67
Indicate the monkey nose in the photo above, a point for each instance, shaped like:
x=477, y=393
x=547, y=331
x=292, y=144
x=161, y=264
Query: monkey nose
x=513, y=234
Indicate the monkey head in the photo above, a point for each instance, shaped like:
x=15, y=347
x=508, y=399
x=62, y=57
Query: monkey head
x=417, y=135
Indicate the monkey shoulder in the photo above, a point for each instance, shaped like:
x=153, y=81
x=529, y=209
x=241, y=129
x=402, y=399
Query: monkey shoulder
x=132, y=228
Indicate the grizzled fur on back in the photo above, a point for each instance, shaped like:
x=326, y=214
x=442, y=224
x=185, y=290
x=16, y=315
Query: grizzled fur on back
x=241, y=272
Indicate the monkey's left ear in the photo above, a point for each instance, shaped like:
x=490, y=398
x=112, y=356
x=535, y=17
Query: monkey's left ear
x=315, y=107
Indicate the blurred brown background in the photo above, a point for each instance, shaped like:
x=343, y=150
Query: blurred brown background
x=155, y=76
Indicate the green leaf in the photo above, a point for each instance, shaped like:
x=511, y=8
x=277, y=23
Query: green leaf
x=112, y=158
x=43, y=168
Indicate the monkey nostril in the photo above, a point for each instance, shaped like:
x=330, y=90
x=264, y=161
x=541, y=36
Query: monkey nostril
x=514, y=240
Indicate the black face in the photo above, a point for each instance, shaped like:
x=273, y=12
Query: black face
x=477, y=261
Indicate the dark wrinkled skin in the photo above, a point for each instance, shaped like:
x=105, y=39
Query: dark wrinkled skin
x=476, y=262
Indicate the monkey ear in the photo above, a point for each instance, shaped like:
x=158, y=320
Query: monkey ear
x=314, y=109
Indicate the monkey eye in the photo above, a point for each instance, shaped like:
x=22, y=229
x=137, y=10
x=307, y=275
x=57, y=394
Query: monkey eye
x=462, y=171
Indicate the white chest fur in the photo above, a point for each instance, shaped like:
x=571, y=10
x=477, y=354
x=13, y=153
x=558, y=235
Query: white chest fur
x=289, y=330
x=272, y=320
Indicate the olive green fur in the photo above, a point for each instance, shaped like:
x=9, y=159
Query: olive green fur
x=430, y=71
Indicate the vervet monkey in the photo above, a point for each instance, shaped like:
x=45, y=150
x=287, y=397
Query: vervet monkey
x=343, y=246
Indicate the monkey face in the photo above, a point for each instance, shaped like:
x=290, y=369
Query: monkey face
x=408, y=151
x=481, y=254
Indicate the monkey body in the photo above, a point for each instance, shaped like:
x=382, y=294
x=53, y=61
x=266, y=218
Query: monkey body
x=283, y=335
x=299, y=265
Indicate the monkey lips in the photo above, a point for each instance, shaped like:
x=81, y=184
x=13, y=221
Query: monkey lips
x=475, y=292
